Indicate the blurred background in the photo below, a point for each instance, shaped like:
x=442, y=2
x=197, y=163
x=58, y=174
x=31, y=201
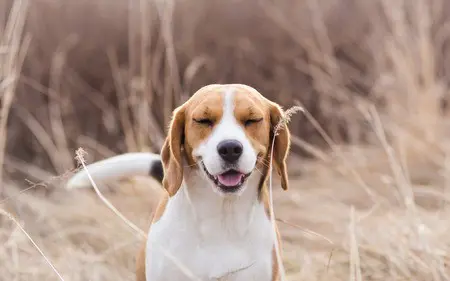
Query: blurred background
x=369, y=169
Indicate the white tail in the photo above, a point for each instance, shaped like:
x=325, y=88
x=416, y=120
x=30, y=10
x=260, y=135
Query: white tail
x=118, y=167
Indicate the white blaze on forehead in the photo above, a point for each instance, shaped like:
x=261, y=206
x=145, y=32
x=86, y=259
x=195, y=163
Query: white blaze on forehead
x=228, y=128
x=228, y=105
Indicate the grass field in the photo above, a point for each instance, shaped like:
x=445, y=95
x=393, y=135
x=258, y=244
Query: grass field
x=369, y=169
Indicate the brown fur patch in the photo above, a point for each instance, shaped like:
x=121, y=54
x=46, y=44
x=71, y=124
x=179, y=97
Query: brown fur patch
x=264, y=196
x=140, y=259
x=204, y=105
x=250, y=106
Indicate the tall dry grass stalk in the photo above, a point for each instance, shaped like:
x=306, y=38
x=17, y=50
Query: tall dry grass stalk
x=47, y=260
x=12, y=52
x=281, y=125
x=80, y=158
x=411, y=84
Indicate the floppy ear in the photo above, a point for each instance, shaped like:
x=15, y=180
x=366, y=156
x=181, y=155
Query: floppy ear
x=171, y=153
x=280, y=132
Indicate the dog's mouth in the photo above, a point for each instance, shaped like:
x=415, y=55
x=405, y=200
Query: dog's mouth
x=229, y=181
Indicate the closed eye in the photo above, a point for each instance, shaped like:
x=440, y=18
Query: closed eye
x=252, y=121
x=204, y=121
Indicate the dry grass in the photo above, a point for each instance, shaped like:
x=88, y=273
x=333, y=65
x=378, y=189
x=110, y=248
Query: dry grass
x=371, y=203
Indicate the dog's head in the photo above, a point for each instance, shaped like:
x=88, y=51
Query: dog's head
x=225, y=132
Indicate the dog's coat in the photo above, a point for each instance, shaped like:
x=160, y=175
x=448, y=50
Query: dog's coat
x=214, y=217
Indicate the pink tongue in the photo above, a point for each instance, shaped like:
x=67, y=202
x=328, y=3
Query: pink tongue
x=230, y=179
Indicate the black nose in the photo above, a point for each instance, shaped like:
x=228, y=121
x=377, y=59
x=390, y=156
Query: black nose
x=230, y=150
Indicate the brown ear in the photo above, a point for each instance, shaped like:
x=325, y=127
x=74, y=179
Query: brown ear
x=171, y=153
x=280, y=131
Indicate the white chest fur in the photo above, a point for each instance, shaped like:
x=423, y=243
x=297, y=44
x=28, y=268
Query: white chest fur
x=215, y=237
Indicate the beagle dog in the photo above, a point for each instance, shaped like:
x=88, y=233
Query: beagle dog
x=214, y=217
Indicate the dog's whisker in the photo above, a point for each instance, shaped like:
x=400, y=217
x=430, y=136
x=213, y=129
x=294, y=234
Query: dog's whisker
x=259, y=171
x=263, y=162
x=263, y=159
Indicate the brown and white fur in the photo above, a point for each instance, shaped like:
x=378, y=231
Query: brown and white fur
x=214, y=217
